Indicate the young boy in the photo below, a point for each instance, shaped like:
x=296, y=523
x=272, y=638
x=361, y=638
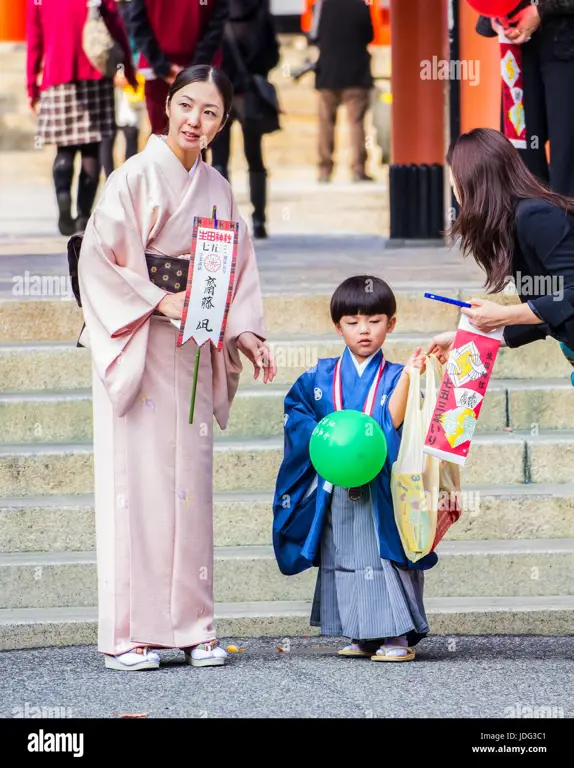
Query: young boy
x=366, y=588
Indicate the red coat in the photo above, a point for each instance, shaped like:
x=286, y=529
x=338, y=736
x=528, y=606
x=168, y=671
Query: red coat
x=182, y=32
x=54, y=35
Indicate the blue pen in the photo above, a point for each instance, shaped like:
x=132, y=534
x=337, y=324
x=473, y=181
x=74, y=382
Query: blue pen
x=446, y=300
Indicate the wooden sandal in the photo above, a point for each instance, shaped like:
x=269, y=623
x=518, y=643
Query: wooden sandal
x=386, y=656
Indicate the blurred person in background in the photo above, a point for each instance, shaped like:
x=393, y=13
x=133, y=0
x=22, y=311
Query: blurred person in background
x=343, y=30
x=250, y=46
x=74, y=102
x=129, y=107
x=170, y=36
x=545, y=32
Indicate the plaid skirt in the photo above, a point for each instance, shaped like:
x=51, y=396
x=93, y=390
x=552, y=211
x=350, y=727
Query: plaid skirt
x=82, y=112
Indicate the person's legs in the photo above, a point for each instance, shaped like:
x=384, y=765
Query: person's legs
x=220, y=148
x=357, y=103
x=252, y=143
x=88, y=183
x=131, y=134
x=558, y=77
x=534, y=156
x=63, y=174
x=328, y=104
x=107, y=154
x=156, y=92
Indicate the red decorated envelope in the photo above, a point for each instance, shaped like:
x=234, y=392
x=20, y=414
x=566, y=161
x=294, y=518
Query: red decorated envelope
x=514, y=121
x=210, y=282
x=462, y=391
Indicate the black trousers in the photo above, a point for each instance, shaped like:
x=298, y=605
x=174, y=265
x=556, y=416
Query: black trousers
x=252, y=144
x=549, y=113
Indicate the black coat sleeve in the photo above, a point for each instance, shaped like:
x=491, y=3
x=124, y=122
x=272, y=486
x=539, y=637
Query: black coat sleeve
x=546, y=236
x=213, y=36
x=144, y=38
x=551, y=8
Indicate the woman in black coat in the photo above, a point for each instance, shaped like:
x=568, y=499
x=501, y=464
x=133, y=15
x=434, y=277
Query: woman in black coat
x=250, y=47
x=544, y=29
x=514, y=227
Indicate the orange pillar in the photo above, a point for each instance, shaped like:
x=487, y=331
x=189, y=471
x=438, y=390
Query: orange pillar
x=416, y=175
x=418, y=33
x=13, y=21
x=480, y=103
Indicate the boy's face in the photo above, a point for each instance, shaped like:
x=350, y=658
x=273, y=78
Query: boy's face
x=365, y=334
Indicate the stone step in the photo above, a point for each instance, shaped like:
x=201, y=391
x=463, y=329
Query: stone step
x=466, y=569
x=44, y=627
x=258, y=411
x=62, y=366
x=252, y=465
x=66, y=523
x=33, y=319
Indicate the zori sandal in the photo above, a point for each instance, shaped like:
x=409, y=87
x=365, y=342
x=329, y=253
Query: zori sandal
x=394, y=653
x=354, y=650
x=133, y=661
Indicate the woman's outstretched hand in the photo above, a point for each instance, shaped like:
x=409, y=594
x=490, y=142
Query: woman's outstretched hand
x=441, y=346
x=257, y=352
x=486, y=316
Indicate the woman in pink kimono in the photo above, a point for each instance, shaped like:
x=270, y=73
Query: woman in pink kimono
x=153, y=470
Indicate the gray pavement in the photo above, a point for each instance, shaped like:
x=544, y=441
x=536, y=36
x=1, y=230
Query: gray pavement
x=468, y=677
x=300, y=262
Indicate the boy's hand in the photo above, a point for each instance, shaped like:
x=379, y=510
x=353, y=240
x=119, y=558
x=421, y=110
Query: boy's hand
x=416, y=360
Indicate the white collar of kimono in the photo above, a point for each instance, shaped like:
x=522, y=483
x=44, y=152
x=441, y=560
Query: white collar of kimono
x=361, y=366
x=194, y=167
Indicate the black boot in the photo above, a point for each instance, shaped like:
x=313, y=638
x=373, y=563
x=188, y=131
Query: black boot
x=87, y=190
x=63, y=173
x=258, y=193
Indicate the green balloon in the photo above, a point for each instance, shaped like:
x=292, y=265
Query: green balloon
x=348, y=448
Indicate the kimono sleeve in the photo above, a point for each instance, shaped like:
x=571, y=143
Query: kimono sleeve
x=246, y=309
x=117, y=300
x=294, y=502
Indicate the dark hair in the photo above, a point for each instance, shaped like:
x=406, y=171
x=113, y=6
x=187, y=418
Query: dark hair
x=204, y=73
x=363, y=295
x=490, y=178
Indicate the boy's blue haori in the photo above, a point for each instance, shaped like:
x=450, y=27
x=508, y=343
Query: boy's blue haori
x=301, y=498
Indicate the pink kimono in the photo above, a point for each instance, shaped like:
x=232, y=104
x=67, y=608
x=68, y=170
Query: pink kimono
x=153, y=470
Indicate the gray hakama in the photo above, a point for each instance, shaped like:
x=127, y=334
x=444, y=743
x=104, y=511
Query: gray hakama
x=358, y=594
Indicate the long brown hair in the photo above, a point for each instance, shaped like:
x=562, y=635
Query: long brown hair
x=490, y=177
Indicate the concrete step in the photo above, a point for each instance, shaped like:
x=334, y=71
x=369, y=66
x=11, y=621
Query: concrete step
x=43, y=627
x=62, y=366
x=67, y=416
x=66, y=523
x=252, y=465
x=52, y=319
x=467, y=569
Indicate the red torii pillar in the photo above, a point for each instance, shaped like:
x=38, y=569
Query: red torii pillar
x=416, y=186
x=13, y=21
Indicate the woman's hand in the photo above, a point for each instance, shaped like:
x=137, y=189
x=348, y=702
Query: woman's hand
x=416, y=360
x=174, y=71
x=259, y=354
x=486, y=316
x=33, y=105
x=172, y=305
x=524, y=24
x=441, y=346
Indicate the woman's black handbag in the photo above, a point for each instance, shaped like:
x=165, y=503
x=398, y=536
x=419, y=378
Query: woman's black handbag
x=165, y=272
